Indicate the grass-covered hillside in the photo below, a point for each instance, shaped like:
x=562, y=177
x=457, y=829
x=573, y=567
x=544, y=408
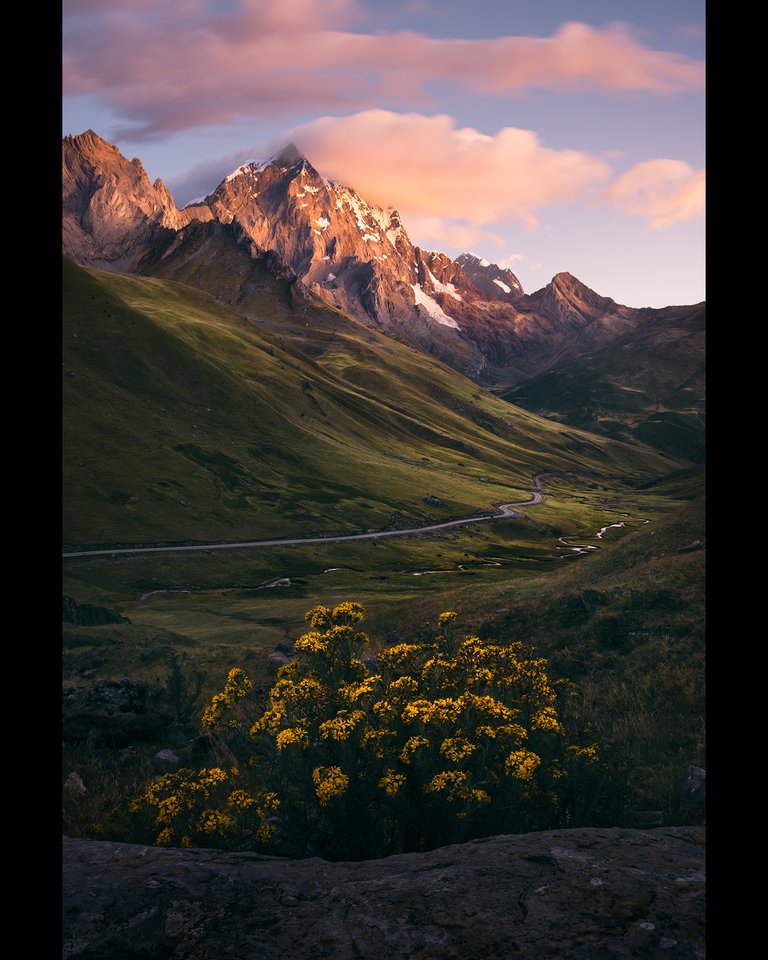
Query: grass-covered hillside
x=185, y=421
x=648, y=386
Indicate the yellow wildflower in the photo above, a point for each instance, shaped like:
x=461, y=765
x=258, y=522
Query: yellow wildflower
x=522, y=764
x=456, y=748
x=329, y=782
x=391, y=782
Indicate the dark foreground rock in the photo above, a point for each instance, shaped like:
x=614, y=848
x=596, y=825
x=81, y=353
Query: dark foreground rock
x=585, y=894
x=115, y=711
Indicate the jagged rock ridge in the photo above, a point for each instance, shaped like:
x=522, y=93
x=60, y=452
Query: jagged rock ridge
x=353, y=256
x=110, y=209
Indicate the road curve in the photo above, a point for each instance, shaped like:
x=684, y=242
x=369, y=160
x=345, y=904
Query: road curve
x=504, y=510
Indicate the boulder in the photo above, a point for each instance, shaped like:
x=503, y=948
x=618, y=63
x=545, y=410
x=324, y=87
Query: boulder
x=581, y=894
x=277, y=659
x=166, y=761
x=88, y=615
x=115, y=712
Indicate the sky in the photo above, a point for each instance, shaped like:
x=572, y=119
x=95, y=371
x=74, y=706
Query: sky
x=562, y=135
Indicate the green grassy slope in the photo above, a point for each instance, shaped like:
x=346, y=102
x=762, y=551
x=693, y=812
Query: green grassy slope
x=648, y=387
x=185, y=421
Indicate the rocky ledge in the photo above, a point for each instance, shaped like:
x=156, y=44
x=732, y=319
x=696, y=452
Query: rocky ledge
x=584, y=894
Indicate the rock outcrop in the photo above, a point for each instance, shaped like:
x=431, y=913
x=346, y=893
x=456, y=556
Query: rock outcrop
x=115, y=712
x=583, y=894
x=87, y=614
x=111, y=211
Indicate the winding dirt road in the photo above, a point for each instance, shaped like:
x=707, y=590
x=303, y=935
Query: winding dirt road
x=504, y=510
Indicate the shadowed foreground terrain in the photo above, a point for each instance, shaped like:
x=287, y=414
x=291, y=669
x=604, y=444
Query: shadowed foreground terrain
x=583, y=894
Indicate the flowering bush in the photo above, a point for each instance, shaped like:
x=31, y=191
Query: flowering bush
x=204, y=808
x=452, y=737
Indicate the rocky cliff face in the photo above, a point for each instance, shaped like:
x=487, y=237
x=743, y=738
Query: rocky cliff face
x=586, y=894
x=353, y=256
x=111, y=211
x=495, y=282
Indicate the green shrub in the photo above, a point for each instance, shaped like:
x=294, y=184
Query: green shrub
x=450, y=738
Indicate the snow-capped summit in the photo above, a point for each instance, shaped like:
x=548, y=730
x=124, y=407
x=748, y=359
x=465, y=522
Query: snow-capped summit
x=333, y=245
x=491, y=279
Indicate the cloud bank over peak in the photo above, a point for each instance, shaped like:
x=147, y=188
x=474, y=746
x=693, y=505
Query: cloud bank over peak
x=171, y=65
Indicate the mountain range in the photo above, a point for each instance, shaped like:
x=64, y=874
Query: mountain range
x=282, y=216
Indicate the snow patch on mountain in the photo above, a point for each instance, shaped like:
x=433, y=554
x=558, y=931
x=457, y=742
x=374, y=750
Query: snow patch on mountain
x=433, y=308
x=504, y=287
x=382, y=217
x=448, y=288
x=243, y=168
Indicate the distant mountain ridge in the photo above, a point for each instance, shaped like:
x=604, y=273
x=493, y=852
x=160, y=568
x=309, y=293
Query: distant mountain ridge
x=338, y=248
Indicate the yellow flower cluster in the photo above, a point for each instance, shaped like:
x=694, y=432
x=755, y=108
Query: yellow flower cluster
x=241, y=799
x=351, y=692
x=238, y=685
x=512, y=730
x=446, y=618
x=349, y=612
x=291, y=735
x=312, y=642
x=456, y=786
x=384, y=709
x=523, y=764
x=189, y=804
x=329, y=782
x=165, y=838
x=302, y=699
x=391, y=782
x=445, y=710
x=490, y=706
x=456, y=748
x=447, y=780
x=546, y=719
x=402, y=685
x=411, y=745
x=319, y=616
x=589, y=752
x=398, y=655
x=342, y=725
x=214, y=821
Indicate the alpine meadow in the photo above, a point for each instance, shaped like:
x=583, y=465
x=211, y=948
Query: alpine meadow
x=383, y=589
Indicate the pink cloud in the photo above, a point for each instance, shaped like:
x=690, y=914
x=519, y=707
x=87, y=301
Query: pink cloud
x=437, y=232
x=173, y=64
x=662, y=191
x=426, y=167
x=511, y=260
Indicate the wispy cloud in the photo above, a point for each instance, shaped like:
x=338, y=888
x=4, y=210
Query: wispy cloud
x=165, y=65
x=663, y=191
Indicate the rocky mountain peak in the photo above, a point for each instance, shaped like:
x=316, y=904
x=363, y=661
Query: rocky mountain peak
x=357, y=257
x=497, y=283
x=110, y=209
x=289, y=156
